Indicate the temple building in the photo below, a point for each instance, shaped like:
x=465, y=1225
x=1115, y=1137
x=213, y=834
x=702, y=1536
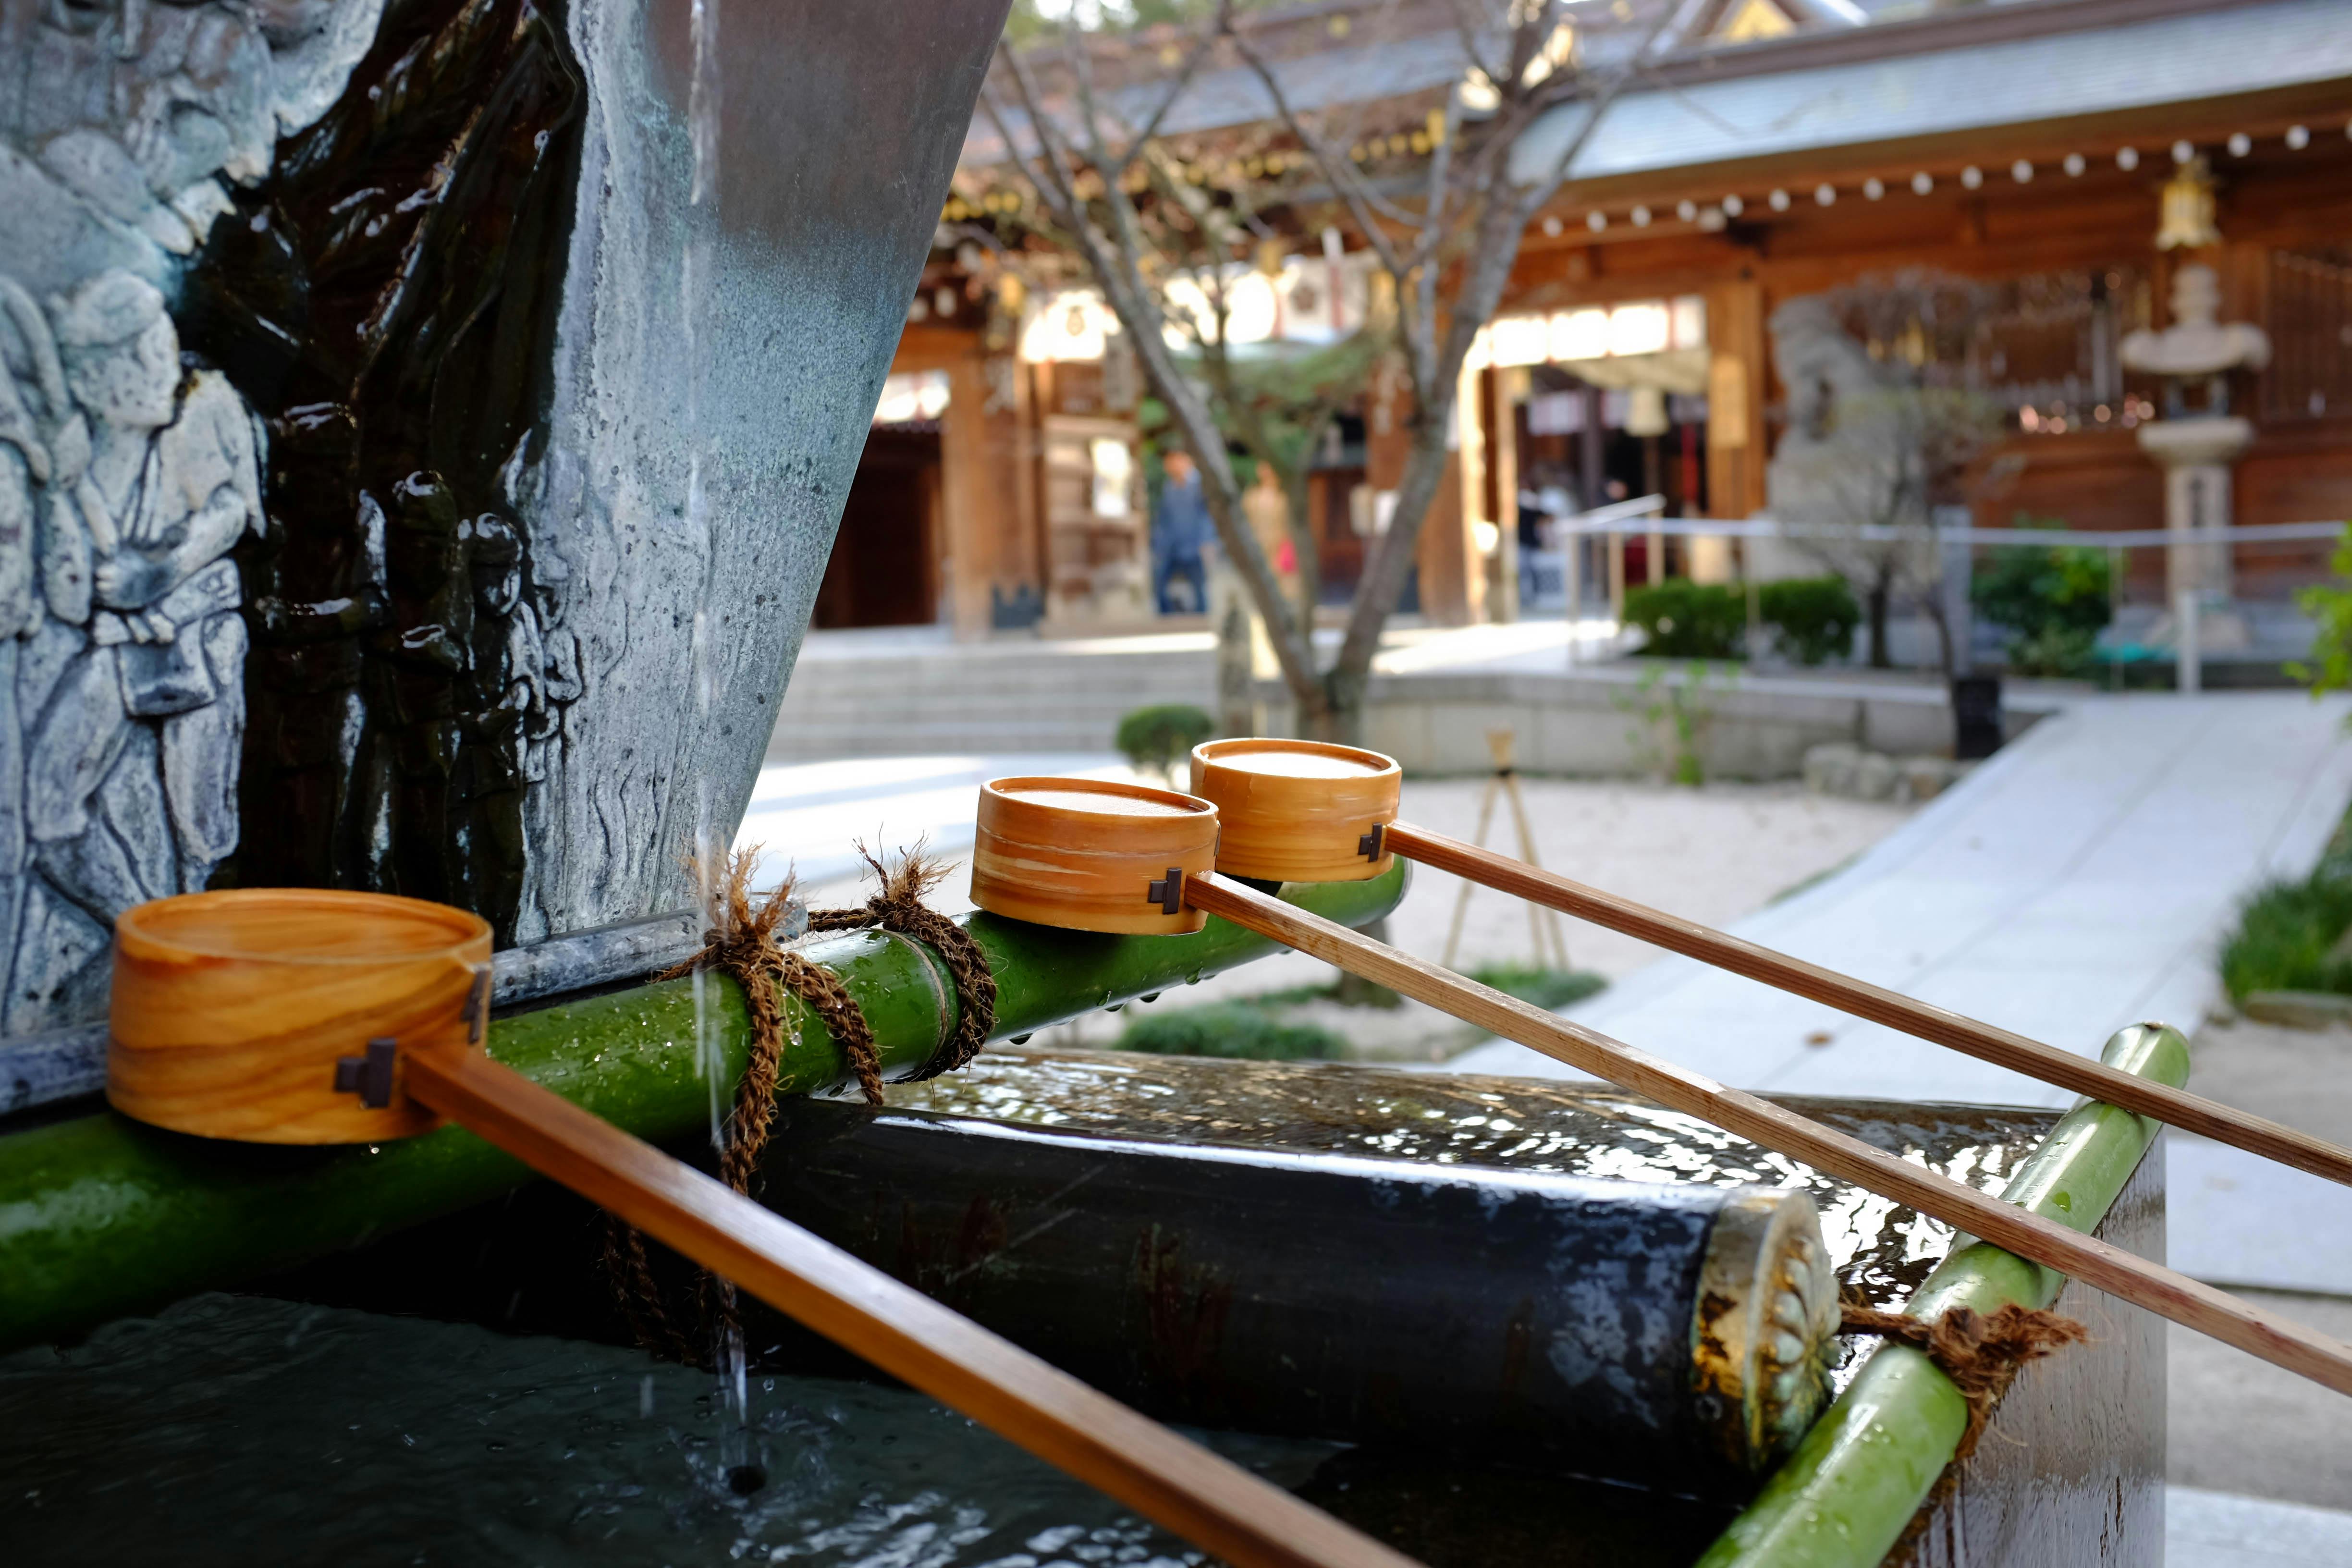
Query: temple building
x=1706, y=267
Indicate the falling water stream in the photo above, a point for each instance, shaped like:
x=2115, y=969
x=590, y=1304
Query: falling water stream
x=696, y=276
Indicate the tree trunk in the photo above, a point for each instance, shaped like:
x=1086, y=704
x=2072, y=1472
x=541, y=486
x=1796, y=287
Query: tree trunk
x=1874, y=604
x=1236, y=668
x=1306, y=540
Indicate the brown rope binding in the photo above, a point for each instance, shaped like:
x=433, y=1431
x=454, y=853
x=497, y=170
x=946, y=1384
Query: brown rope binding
x=898, y=906
x=742, y=942
x=1982, y=1352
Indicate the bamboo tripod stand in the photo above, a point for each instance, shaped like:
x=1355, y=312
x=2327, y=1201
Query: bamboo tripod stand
x=1543, y=924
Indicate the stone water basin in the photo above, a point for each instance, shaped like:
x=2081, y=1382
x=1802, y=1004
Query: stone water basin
x=463, y=1391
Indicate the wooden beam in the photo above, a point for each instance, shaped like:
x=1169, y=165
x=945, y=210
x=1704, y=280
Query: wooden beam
x=2186, y=1302
x=1174, y=1482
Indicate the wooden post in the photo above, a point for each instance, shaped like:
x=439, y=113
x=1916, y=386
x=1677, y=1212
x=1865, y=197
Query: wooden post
x=2186, y=1302
x=1503, y=746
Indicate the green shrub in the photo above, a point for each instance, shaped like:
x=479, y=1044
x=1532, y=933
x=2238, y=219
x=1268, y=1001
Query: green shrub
x=2284, y=935
x=1161, y=738
x=1545, y=988
x=1684, y=619
x=2053, y=651
x=1672, y=720
x=1813, y=618
x=1233, y=1030
x=2329, y=605
x=2054, y=598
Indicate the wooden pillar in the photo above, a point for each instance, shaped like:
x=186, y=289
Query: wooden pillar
x=1589, y=449
x=1445, y=554
x=971, y=510
x=1737, y=389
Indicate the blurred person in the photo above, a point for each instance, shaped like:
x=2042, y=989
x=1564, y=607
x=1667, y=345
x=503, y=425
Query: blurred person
x=1180, y=532
x=1268, y=511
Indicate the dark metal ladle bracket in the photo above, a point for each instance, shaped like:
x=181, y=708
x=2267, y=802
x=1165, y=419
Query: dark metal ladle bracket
x=370, y=1076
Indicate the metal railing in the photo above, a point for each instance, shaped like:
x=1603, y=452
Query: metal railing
x=1553, y=578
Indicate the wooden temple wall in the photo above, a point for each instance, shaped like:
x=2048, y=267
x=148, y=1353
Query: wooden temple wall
x=2286, y=216
x=988, y=537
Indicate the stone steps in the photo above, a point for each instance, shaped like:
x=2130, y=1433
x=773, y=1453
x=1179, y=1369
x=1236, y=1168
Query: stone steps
x=987, y=699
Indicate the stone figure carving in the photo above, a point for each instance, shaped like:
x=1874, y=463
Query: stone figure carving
x=128, y=484
x=126, y=477
x=1820, y=363
x=436, y=249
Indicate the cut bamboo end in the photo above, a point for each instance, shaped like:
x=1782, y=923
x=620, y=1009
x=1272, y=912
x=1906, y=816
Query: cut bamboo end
x=1298, y=811
x=1087, y=855
x=232, y=1010
x=1766, y=1335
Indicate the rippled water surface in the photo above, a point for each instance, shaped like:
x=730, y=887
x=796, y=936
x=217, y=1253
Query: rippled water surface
x=1883, y=1249
x=245, y=1430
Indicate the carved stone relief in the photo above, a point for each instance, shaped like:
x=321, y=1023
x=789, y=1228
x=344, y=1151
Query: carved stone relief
x=382, y=297
x=126, y=474
x=355, y=381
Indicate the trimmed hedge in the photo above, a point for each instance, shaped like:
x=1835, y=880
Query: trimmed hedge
x=1684, y=619
x=1814, y=618
x=1163, y=737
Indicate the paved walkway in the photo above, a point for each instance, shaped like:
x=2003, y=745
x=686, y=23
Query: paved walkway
x=2076, y=882
x=2220, y=1530
x=2079, y=881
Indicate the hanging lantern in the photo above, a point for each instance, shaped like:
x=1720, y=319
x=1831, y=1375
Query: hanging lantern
x=1645, y=411
x=2187, y=220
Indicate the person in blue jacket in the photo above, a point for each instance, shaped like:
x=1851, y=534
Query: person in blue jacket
x=1180, y=532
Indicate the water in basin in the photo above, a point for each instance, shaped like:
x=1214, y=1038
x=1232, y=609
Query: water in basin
x=238, y=1429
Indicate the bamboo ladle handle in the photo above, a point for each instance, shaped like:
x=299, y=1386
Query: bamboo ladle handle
x=2109, y=1267
x=2003, y=1047
x=1209, y=1500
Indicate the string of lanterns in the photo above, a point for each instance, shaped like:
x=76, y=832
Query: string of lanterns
x=1708, y=217
x=1712, y=217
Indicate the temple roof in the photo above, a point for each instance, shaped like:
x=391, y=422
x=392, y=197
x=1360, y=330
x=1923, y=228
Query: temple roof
x=1725, y=89
x=1947, y=75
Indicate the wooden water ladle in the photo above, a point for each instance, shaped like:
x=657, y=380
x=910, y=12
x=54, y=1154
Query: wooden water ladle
x=286, y=1015
x=2172, y=1295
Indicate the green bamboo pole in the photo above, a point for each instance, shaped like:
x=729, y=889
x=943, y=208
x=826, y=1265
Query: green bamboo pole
x=100, y=1216
x=1845, y=1496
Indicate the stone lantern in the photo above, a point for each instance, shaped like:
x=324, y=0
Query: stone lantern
x=2196, y=449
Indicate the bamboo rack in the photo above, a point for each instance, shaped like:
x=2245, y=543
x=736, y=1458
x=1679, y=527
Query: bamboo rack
x=2003, y=1047
x=288, y=1016
x=2151, y=1286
